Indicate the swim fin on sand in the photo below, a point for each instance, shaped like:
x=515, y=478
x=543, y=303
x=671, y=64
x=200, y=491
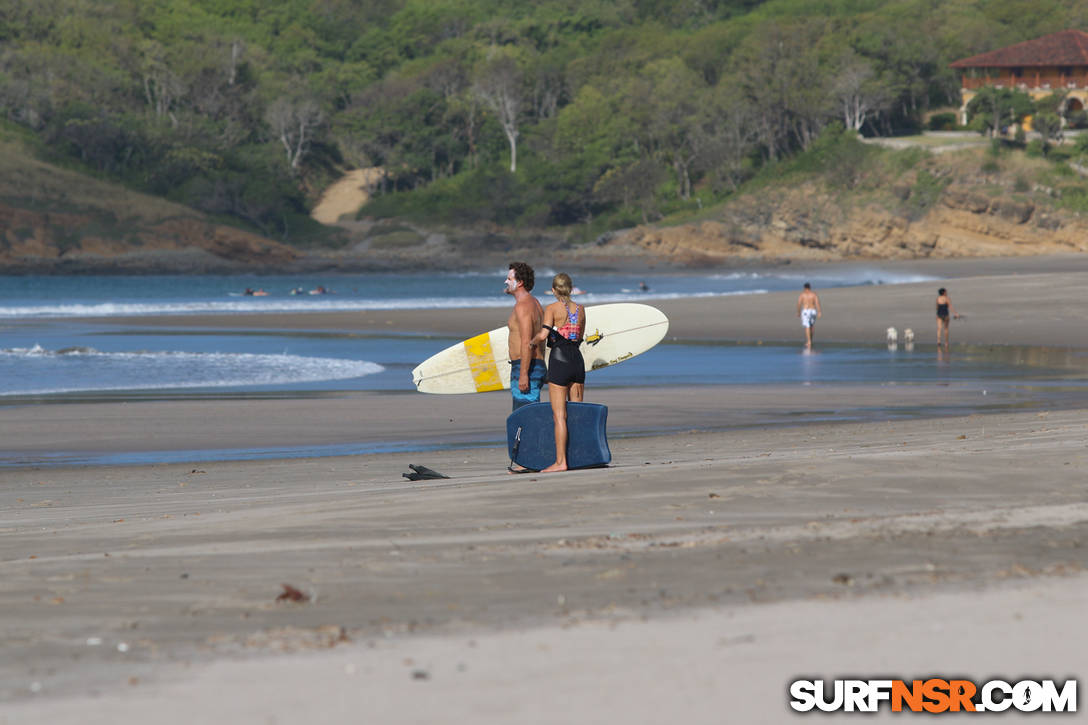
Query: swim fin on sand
x=422, y=473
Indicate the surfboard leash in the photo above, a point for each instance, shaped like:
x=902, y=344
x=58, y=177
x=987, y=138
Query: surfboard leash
x=517, y=445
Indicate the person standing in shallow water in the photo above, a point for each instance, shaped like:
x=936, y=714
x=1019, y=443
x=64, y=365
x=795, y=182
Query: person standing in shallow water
x=808, y=309
x=564, y=327
x=944, y=307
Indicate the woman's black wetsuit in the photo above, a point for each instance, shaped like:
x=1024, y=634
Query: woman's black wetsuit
x=566, y=365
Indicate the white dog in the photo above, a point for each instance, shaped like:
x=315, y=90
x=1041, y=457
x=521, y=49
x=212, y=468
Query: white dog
x=893, y=335
x=908, y=335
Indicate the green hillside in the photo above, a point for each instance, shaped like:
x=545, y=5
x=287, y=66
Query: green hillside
x=61, y=219
x=573, y=116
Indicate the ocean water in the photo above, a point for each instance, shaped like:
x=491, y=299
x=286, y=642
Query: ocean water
x=51, y=346
x=48, y=297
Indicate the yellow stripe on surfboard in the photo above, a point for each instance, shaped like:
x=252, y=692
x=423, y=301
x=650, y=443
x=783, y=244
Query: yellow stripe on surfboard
x=481, y=361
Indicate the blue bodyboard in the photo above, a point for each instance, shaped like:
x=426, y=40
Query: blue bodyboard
x=530, y=436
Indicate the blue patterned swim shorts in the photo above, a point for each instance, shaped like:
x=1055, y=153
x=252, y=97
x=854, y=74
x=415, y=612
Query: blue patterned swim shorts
x=537, y=372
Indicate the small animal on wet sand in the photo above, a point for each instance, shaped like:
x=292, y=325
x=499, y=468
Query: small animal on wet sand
x=893, y=334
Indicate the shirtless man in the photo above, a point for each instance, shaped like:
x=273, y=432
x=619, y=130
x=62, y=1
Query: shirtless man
x=527, y=369
x=808, y=309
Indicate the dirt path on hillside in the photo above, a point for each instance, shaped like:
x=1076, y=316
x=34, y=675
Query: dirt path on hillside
x=347, y=195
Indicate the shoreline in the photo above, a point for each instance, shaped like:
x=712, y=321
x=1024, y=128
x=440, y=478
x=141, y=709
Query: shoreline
x=104, y=434
x=1005, y=307
x=1006, y=301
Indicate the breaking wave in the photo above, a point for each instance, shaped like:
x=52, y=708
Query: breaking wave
x=36, y=371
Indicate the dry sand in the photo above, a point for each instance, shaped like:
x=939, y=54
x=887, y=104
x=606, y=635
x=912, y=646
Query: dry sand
x=346, y=196
x=718, y=558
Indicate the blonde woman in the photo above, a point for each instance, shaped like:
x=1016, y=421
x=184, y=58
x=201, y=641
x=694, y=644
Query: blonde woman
x=564, y=327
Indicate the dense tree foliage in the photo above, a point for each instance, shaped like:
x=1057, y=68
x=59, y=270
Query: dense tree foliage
x=555, y=112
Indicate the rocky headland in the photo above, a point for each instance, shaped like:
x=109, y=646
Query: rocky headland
x=811, y=225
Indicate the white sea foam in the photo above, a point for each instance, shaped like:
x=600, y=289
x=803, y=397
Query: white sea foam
x=266, y=305
x=176, y=296
x=835, y=278
x=741, y=275
x=87, y=370
x=26, y=351
x=247, y=305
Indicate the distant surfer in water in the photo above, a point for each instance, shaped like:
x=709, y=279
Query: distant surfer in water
x=564, y=327
x=527, y=367
x=808, y=309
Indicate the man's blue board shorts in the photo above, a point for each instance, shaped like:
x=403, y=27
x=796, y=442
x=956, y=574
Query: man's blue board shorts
x=537, y=372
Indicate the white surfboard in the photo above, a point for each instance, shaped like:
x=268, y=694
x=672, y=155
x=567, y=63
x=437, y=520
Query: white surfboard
x=614, y=333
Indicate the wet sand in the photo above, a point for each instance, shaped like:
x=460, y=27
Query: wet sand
x=369, y=422
x=723, y=555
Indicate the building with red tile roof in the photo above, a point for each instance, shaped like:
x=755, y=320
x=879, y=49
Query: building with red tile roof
x=1053, y=63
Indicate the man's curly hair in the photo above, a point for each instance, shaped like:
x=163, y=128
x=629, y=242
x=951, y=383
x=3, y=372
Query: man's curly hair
x=524, y=273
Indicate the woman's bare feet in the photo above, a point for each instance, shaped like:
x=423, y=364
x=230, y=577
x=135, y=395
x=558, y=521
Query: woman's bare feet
x=555, y=467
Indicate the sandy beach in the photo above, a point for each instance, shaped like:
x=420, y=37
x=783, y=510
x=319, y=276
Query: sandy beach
x=744, y=537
